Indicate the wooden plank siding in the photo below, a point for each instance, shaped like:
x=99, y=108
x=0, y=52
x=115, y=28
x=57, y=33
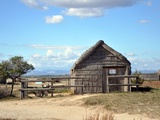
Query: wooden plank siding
x=94, y=66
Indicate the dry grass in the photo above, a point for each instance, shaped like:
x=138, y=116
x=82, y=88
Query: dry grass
x=101, y=116
x=133, y=103
x=7, y=119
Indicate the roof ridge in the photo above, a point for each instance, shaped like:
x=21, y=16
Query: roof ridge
x=93, y=48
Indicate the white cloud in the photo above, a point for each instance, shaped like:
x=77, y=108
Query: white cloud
x=84, y=12
x=55, y=56
x=144, y=21
x=145, y=65
x=50, y=53
x=36, y=55
x=90, y=3
x=81, y=8
x=68, y=51
x=148, y=3
x=130, y=54
x=45, y=8
x=54, y=19
x=34, y=4
x=51, y=59
x=63, y=57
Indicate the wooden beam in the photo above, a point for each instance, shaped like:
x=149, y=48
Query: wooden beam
x=123, y=76
x=107, y=82
x=123, y=84
x=51, y=79
x=45, y=89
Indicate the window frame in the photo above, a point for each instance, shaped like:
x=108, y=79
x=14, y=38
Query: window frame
x=112, y=71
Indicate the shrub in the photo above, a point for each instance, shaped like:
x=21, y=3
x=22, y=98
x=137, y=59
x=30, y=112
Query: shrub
x=3, y=93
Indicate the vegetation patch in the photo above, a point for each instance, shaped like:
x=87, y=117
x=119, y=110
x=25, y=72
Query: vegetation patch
x=132, y=103
x=101, y=116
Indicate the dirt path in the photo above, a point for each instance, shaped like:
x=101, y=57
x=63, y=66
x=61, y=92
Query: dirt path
x=60, y=108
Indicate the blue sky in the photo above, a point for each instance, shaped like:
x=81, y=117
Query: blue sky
x=52, y=34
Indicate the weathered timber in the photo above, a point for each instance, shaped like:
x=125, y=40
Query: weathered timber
x=119, y=84
x=123, y=76
x=123, y=84
x=51, y=79
x=45, y=89
x=25, y=88
x=95, y=65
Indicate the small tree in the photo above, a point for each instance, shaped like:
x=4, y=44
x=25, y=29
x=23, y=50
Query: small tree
x=4, y=66
x=138, y=73
x=14, y=68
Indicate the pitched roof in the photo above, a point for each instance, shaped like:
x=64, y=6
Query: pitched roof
x=88, y=52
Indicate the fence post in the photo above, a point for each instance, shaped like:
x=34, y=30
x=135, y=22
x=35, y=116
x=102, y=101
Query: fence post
x=82, y=86
x=107, y=82
x=22, y=92
x=52, y=90
x=129, y=82
x=137, y=78
x=26, y=86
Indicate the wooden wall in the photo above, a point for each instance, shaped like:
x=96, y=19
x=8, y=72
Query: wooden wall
x=92, y=70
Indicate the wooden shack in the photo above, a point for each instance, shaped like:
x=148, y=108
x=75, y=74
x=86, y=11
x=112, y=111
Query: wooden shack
x=96, y=64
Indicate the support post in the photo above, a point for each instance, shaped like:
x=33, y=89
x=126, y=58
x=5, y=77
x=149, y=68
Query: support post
x=137, y=78
x=129, y=82
x=82, y=87
x=52, y=90
x=107, y=82
x=22, y=92
x=68, y=84
x=26, y=86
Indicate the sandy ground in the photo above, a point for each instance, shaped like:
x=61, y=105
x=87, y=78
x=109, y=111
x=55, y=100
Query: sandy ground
x=56, y=108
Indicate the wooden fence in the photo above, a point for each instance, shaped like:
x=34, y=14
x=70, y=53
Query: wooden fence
x=25, y=86
x=124, y=76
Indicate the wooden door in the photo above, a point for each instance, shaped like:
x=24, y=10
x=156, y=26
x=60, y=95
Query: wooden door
x=108, y=71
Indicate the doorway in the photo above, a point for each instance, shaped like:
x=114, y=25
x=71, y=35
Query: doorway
x=112, y=71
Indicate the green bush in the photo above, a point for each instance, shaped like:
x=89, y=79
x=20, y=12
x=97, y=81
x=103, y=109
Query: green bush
x=140, y=80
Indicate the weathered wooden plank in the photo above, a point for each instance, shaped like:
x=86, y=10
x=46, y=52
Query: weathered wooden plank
x=93, y=86
x=35, y=89
x=51, y=79
x=123, y=76
x=123, y=84
x=103, y=63
x=38, y=80
x=45, y=89
x=89, y=80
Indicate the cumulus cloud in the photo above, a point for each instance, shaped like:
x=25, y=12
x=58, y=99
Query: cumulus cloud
x=144, y=21
x=84, y=12
x=53, y=59
x=34, y=4
x=49, y=53
x=54, y=19
x=90, y=3
x=81, y=8
x=139, y=63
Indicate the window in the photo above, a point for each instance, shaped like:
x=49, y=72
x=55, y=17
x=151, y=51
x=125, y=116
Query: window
x=112, y=71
